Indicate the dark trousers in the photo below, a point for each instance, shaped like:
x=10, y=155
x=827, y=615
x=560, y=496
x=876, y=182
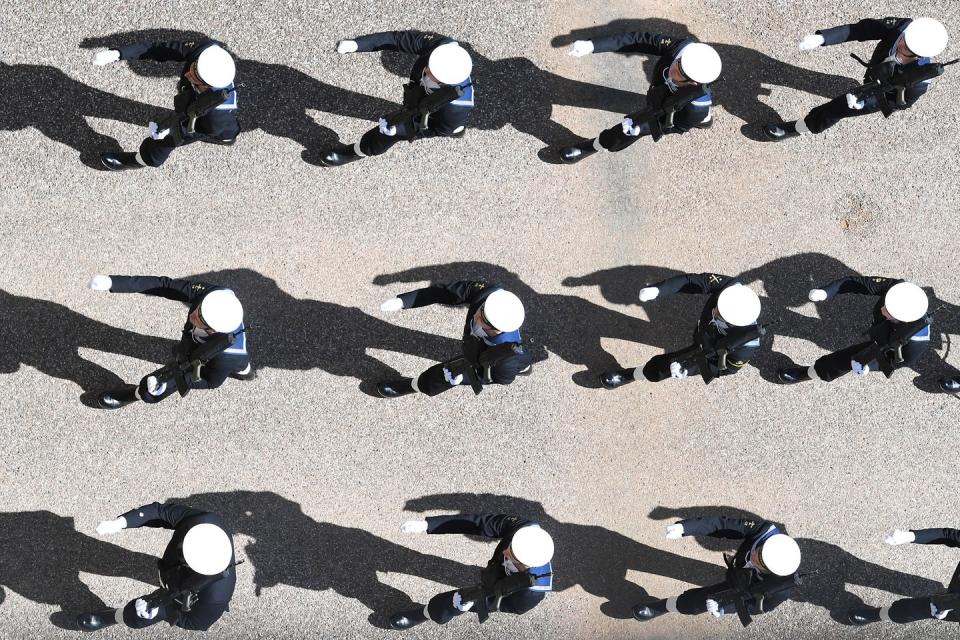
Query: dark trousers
x=374, y=143
x=910, y=610
x=830, y=113
x=432, y=381
x=441, y=609
x=147, y=397
x=658, y=368
x=614, y=139
x=836, y=364
x=132, y=620
x=155, y=152
x=694, y=601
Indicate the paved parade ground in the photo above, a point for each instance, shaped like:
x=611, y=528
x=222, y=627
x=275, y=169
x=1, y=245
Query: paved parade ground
x=314, y=473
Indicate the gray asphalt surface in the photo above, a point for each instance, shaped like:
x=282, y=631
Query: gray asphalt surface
x=316, y=476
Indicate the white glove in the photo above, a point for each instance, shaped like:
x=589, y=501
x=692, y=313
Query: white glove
x=581, y=48
x=386, y=129
x=347, y=46
x=465, y=606
x=817, y=295
x=630, y=129
x=106, y=57
x=156, y=133
x=414, y=526
x=391, y=305
x=100, y=282
x=853, y=103
x=899, y=536
x=677, y=371
x=859, y=369
x=450, y=379
x=154, y=387
x=937, y=613
x=811, y=41
x=675, y=531
x=648, y=293
x=147, y=614
x=714, y=608
x=110, y=527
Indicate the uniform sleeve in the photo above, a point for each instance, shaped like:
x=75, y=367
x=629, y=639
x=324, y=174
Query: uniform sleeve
x=462, y=292
x=740, y=357
x=174, y=50
x=867, y=29
x=866, y=285
x=635, y=42
x=507, y=371
x=767, y=603
x=692, y=114
x=406, y=41
x=166, y=516
x=488, y=525
x=691, y=283
x=446, y=121
x=946, y=537
x=718, y=527
x=186, y=291
x=522, y=601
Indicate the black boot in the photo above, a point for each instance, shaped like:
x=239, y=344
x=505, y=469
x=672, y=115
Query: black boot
x=951, y=384
x=863, y=616
x=577, y=152
x=407, y=619
x=339, y=155
x=650, y=610
x=117, y=398
x=119, y=160
x=247, y=374
x=96, y=620
x=781, y=130
x=793, y=375
x=618, y=378
x=395, y=388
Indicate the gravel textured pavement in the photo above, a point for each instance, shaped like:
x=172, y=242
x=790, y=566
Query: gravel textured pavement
x=316, y=476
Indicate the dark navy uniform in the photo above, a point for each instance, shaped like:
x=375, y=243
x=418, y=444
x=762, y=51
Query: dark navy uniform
x=212, y=600
x=709, y=330
x=834, y=365
x=769, y=591
x=914, y=609
x=218, y=125
x=695, y=114
x=231, y=362
x=451, y=119
x=888, y=31
x=472, y=293
x=440, y=609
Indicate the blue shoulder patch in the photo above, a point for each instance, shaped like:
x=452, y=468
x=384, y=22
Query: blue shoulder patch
x=466, y=100
x=509, y=336
x=921, y=336
x=543, y=582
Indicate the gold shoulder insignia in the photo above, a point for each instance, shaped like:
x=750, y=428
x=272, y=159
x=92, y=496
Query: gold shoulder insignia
x=750, y=523
x=879, y=279
x=190, y=45
x=714, y=278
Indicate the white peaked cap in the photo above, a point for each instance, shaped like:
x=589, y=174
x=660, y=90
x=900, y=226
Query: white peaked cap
x=503, y=310
x=532, y=546
x=906, y=302
x=925, y=37
x=700, y=62
x=207, y=549
x=780, y=555
x=221, y=311
x=450, y=63
x=216, y=67
x=739, y=305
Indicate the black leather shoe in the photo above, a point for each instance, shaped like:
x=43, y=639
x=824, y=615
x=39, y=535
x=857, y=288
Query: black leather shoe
x=704, y=125
x=117, y=398
x=249, y=375
x=338, y=156
x=526, y=372
x=618, y=378
x=395, y=388
x=793, y=375
x=119, y=160
x=861, y=617
x=96, y=620
x=407, y=619
x=226, y=143
x=950, y=385
x=780, y=130
x=577, y=152
x=650, y=611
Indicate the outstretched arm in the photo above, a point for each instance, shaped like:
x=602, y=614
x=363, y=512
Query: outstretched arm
x=691, y=283
x=866, y=285
x=173, y=50
x=461, y=292
x=866, y=29
x=406, y=41
x=635, y=42
x=167, y=516
x=187, y=291
x=489, y=525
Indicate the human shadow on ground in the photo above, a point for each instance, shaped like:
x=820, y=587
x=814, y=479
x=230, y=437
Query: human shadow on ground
x=833, y=567
x=289, y=547
x=47, y=336
x=592, y=557
x=785, y=285
x=42, y=555
x=274, y=98
x=47, y=99
x=568, y=326
x=745, y=72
